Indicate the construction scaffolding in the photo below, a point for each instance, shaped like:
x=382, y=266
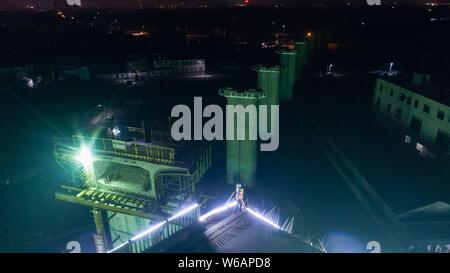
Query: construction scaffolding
x=129, y=185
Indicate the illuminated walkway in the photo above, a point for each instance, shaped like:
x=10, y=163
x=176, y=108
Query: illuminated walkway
x=222, y=228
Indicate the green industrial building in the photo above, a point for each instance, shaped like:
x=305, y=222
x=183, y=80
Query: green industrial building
x=418, y=110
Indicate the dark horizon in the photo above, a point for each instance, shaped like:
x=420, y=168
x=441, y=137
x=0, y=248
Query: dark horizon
x=43, y=5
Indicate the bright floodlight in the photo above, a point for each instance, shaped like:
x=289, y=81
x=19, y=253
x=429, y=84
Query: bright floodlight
x=85, y=156
x=217, y=210
x=116, y=131
x=30, y=83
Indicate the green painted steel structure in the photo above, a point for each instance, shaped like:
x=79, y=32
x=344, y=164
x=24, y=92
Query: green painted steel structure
x=129, y=186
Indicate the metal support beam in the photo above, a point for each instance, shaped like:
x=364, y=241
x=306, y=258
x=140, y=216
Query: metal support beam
x=97, y=205
x=100, y=226
x=98, y=220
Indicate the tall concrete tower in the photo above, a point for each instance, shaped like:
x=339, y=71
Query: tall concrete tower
x=288, y=61
x=303, y=54
x=269, y=82
x=242, y=155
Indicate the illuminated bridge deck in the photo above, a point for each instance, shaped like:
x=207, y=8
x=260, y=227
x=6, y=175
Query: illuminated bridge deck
x=233, y=232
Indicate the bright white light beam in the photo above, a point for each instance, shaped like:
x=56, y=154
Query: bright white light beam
x=217, y=210
x=183, y=212
x=265, y=219
x=148, y=231
x=118, y=247
x=156, y=226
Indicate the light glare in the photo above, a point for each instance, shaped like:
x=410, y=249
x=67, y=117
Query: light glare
x=217, y=210
x=156, y=226
x=85, y=156
x=118, y=247
x=148, y=231
x=263, y=218
x=184, y=211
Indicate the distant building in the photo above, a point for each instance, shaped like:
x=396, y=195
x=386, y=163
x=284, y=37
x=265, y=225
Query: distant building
x=136, y=63
x=69, y=69
x=139, y=68
x=188, y=66
x=14, y=72
x=177, y=67
x=417, y=109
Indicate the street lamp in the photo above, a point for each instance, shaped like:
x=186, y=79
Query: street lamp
x=390, y=67
x=329, y=68
x=99, y=106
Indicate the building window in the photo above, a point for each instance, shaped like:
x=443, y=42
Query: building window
x=415, y=125
x=440, y=115
x=416, y=103
x=402, y=97
x=426, y=108
x=443, y=140
x=398, y=113
x=420, y=148
x=407, y=139
x=408, y=100
x=388, y=110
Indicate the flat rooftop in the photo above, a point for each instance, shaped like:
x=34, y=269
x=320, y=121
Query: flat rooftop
x=430, y=90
